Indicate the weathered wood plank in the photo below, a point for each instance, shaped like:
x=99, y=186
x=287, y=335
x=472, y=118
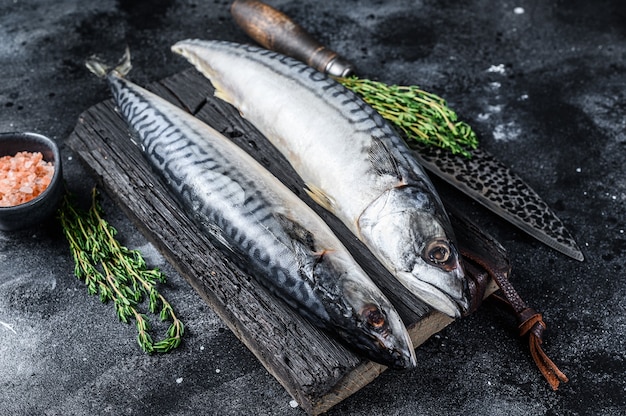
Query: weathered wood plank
x=300, y=361
x=316, y=370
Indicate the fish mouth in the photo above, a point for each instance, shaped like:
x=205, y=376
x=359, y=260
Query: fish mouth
x=401, y=360
x=385, y=351
x=400, y=351
x=435, y=297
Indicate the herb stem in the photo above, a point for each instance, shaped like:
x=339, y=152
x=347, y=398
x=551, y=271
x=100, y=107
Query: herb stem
x=117, y=274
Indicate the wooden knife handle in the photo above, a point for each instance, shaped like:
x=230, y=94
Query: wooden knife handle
x=274, y=30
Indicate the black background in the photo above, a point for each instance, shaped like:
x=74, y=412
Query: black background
x=545, y=89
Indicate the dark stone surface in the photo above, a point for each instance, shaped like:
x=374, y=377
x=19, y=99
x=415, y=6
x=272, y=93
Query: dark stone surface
x=546, y=91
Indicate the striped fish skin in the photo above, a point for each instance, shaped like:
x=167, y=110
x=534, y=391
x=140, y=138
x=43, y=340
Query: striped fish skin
x=352, y=161
x=263, y=224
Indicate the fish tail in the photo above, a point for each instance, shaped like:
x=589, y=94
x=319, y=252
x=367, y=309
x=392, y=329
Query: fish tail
x=101, y=69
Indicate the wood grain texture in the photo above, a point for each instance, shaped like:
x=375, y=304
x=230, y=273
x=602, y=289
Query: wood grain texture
x=315, y=369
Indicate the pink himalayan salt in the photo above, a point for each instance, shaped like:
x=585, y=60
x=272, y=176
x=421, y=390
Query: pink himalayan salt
x=23, y=177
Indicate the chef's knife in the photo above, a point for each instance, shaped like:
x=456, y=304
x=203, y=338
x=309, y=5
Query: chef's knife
x=481, y=177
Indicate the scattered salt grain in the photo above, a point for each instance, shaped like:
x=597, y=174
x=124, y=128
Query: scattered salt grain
x=293, y=404
x=179, y=380
x=578, y=170
x=217, y=370
x=23, y=177
x=8, y=327
x=497, y=69
x=518, y=10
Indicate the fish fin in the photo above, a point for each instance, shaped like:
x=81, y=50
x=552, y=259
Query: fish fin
x=102, y=69
x=321, y=253
x=218, y=235
x=307, y=255
x=222, y=95
x=383, y=162
x=297, y=232
x=320, y=197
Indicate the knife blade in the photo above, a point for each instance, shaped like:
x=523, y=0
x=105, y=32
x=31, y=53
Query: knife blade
x=493, y=185
x=481, y=177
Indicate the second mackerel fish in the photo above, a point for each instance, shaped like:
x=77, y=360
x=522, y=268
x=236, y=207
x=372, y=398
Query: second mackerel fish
x=274, y=235
x=352, y=161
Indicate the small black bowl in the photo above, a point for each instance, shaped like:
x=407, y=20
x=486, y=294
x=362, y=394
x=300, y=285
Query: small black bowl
x=45, y=204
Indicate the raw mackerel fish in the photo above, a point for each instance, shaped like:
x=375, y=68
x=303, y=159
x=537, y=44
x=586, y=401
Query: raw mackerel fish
x=261, y=223
x=352, y=161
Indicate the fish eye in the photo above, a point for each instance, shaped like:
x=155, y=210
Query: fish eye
x=374, y=317
x=438, y=252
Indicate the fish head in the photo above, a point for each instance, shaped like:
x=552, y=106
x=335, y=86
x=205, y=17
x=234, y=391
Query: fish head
x=408, y=231
x=381, y=335
x=361, y=314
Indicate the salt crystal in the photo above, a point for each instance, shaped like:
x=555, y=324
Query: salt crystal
x=8, y=327
x=497, y=69
x=293, y=403
x=179, y=380
x=518, y=10
x=23, y=177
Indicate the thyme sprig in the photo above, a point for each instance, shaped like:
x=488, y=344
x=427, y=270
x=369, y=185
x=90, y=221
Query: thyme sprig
x=117, y=273
x=420, y=115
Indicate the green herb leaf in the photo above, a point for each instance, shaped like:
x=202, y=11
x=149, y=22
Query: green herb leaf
x=116, y=273
x=418, y=114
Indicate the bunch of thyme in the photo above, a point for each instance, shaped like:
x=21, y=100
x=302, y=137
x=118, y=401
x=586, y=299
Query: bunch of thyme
x=420, y=115
x=117, y=273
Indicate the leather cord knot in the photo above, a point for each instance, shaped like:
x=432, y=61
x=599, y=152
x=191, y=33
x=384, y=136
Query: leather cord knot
x=532, y=324
x=529, y=320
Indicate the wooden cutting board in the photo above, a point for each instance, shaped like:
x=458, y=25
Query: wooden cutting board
x=315, y=369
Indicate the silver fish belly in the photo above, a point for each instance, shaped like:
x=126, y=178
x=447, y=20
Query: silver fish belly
x=260, y=222
x=352, y=161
